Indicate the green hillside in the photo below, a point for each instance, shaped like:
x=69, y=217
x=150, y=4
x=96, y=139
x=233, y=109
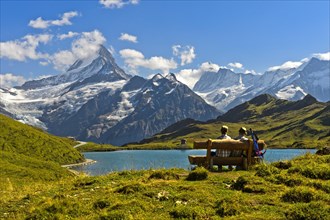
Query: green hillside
x=281, y=123
x=30, y=154
x=23, y=139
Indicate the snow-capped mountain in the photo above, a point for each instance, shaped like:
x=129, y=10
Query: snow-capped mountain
x=138, y=110
x=96, y=100
x=313, y=79
x=101, y=67
x=160, y=102
x=63, y=94
x=223, y=87
x=227, y=89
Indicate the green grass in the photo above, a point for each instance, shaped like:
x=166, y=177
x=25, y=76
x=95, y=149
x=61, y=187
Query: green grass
x=96, y=147
x=28, y=154
x=278, y=191
x=24, y=168
x=19, y=138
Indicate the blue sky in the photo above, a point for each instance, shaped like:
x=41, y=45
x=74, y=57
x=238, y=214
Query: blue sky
x=147, y=37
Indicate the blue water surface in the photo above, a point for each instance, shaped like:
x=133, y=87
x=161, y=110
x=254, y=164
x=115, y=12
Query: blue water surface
x=152, y=159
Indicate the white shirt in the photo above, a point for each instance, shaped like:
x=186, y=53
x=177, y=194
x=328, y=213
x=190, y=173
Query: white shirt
x=221, y=152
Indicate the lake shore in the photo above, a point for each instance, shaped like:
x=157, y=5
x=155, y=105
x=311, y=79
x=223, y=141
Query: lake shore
x=86, y=162
x=169, y=148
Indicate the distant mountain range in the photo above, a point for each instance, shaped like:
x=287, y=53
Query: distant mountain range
x=96, y=100
x=226, y=89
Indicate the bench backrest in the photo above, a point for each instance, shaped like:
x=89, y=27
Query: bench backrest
x=228, y=144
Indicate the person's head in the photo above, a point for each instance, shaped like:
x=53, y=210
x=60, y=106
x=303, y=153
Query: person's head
x=224, y=129
x=242, y=131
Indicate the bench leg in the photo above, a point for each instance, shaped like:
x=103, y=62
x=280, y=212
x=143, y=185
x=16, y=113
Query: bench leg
x=245, y=164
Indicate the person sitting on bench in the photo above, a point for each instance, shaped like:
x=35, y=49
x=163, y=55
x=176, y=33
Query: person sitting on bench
x=222, y=152
x=241, y=137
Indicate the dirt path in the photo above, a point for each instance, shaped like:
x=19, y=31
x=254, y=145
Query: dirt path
x=86, y=162
x=80, y=144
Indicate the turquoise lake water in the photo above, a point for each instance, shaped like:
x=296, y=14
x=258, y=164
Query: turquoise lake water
x=152, y=159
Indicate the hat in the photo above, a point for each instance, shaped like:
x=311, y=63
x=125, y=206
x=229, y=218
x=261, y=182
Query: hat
x=242, y=130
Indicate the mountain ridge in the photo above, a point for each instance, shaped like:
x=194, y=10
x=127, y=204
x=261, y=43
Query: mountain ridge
x=281, y=123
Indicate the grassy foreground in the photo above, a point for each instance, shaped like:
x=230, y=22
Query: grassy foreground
x=297, y=189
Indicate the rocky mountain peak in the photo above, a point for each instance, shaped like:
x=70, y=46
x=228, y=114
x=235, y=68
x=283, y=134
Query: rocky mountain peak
x=171, y=77
x=309, y=99
x=262, y=99
x=225, y=71
x=157, y=77
x=99, y=68
x=75, y=65
x=105, y=53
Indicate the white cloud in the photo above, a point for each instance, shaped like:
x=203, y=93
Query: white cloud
x=117, y=3
x=305, y=60
x=43, y=77
x=130, y=53
x=44, y=63
x=209, y=67
x=9, y=80
x=135, y=59
x=128, y=37
x=285, y=66
x=295, y=64
x=250, y=71
x=236, y=65
x=186, y=53
x=191, y=76
x=63, y=59
x=65, y=20
x=24, y=48
x=322, y=56
x=86, y=46
x=70, y=34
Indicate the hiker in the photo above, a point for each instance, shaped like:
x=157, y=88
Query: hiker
x=222, y=152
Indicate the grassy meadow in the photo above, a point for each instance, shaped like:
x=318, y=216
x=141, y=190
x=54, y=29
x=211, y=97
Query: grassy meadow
x=28, y=154
x=22, y=139
x=296, y=189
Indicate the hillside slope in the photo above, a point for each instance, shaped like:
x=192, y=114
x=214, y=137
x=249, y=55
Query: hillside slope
x=26, y=140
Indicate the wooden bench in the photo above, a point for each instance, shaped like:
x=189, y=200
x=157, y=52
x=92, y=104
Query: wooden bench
x=225, y=144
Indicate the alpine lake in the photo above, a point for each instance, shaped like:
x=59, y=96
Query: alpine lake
x=155, y=159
